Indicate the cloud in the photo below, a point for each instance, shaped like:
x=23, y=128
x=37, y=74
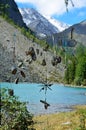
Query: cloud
x=53, y=7
x=82, y=14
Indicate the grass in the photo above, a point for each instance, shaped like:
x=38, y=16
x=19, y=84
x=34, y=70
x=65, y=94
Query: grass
x=60, y=121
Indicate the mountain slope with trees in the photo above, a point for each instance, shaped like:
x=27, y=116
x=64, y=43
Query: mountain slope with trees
x=79, y=34
x=45, y=62
x=76, y=69
x=8, y=8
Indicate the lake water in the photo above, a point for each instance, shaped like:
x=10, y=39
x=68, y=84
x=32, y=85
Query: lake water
x=61, y=98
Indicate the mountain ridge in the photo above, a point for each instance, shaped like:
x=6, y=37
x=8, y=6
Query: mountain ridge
x=12, y=12
x=79, y=34
x=39, y=23
x=60, y=25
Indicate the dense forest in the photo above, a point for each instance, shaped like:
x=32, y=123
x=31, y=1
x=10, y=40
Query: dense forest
x=76, y=68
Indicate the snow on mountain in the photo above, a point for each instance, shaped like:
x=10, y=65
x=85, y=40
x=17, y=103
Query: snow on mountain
x=28, y=15
x=60, y=25
x=41, y=25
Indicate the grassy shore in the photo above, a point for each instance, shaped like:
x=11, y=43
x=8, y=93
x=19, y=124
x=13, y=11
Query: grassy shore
x=74, y=86
x=60, y=121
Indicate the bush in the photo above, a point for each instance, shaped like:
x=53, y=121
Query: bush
x=82, y=113
x=14, y=114
x=84, y=82
x=77, y=81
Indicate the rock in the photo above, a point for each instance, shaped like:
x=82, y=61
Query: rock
x=66, y=123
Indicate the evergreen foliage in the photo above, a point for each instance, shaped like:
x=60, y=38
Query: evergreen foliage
x=82, y=113
x=76, y=70
x=3, y=8
x=81, y=70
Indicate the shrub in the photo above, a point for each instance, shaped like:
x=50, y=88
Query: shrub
x=82, y=114
x=77, y=81
x=14, y=114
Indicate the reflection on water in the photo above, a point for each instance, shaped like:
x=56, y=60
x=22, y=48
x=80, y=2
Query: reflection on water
x=60, y=98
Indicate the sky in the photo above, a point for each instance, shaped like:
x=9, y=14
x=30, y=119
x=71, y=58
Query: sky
x=57, y=9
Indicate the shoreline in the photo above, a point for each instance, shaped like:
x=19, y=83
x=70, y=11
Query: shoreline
x=74, y=86
x=66, y=85
x=72, y=109
x=70, y=85
x=60, y=121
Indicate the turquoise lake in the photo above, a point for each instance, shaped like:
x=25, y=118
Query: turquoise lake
x=61, y=98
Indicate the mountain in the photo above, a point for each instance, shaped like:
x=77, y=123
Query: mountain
x=79, y=28
x=79, y=34
x=40, y=63
x=14, y=47
x=34, y=67
x=60, y=25
x=11, y=9
x=39, y=24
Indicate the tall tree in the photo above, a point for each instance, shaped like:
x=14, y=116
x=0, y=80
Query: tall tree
x=81, y=69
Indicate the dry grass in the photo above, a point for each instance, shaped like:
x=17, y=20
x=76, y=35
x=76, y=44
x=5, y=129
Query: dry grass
x=59, y=121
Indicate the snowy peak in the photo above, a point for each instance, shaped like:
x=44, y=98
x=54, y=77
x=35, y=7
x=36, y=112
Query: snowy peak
x=60, y=25
x=39, y=24
x=29, y=15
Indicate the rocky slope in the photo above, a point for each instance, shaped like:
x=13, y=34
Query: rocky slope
x=33, y=69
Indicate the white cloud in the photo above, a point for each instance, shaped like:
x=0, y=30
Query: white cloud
x=53, y=7
x=80, y=3
x=81, y=14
